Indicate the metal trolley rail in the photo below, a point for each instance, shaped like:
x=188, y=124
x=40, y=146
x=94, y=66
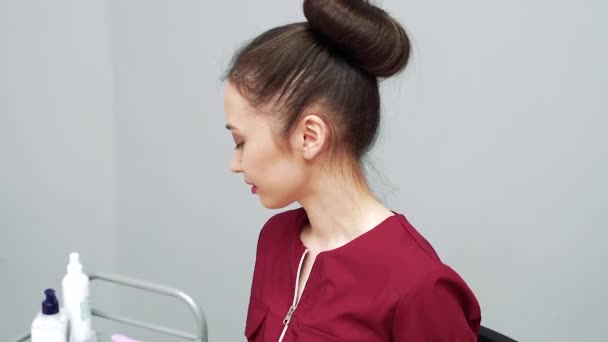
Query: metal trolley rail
x=199, y=317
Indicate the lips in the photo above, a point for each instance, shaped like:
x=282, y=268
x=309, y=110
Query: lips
x=254, y=189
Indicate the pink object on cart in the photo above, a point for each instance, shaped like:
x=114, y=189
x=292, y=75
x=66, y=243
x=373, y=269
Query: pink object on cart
x=123, y=338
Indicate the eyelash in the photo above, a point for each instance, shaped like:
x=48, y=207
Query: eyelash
x=239, y=146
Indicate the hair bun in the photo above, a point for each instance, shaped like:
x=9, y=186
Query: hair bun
x=364, y=33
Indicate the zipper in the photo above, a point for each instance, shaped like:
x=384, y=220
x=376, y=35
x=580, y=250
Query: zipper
x=287, y=318
x=293, y=307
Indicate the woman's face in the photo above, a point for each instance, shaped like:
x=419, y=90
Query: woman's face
x=276, y=176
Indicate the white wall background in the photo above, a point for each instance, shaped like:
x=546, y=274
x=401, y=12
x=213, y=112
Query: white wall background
x=57, y=151
x=112, y=142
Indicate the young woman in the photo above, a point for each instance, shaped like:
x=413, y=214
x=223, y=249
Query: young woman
x=303, y=106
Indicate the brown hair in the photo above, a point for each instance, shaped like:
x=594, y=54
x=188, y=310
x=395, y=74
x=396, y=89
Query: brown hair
x=335, y=60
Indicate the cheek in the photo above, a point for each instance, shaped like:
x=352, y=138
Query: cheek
x=283, y=184
x=258, y=160
x=278, y=177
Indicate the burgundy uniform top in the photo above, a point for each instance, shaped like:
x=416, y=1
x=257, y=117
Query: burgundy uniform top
x=388, y=284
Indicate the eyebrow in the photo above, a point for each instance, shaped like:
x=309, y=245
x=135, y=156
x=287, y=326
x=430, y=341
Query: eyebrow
x=230, y=127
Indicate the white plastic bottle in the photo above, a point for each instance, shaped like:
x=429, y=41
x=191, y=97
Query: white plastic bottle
x=76, y=301
x=50, y=325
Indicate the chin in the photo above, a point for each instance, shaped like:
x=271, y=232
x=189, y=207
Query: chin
x=274, y=204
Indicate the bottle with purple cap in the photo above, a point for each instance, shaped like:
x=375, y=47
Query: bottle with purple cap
x=50, y=325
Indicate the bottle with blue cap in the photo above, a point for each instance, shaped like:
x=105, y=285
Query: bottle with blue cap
x=50, y=325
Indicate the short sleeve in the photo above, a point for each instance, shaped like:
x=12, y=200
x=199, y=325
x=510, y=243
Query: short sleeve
x=441, y=308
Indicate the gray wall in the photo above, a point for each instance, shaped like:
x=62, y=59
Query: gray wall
x=57, y=151
x=491, y=145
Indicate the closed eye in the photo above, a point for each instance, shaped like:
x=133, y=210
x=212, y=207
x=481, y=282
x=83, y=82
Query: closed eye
x=239, y=146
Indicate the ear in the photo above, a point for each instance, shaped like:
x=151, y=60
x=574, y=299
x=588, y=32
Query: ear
x=311, y=136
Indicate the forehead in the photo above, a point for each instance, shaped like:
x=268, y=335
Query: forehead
x=240, y=115
x=235, y=105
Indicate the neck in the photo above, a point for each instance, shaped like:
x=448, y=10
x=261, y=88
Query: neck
x=340, y=210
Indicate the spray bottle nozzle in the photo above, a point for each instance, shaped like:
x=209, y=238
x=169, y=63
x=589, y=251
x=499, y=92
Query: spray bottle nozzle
x=74, y=265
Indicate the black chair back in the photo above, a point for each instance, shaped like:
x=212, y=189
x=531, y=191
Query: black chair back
x=489, y=335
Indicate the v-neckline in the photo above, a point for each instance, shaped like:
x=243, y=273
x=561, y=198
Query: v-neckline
x=303, y=220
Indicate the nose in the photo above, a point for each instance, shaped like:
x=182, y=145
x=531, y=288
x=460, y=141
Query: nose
x=235, y=164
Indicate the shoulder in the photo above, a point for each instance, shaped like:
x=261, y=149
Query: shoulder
x=433, y=301
x=282, y=226
x=401, y=251
x=419, y=275
x=439, y=279
x=439, y=307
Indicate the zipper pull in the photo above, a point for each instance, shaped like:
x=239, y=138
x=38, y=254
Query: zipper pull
x=288, y=316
